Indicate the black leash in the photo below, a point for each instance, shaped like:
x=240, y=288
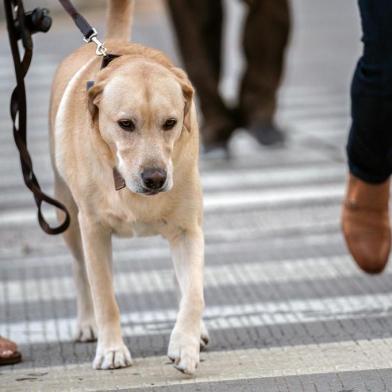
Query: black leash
x=21, y=26
x=89, y=33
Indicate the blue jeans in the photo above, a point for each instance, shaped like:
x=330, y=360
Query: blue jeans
x=369, y=146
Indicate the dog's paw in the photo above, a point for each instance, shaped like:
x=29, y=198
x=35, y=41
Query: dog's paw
x=112, y=358
x=204, y=336
x=86, y=331
x=184, y=352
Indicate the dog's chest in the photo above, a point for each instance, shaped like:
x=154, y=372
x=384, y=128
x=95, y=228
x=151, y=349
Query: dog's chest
x=127, y=225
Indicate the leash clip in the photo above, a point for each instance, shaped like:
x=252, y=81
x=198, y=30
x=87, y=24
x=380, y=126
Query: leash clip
x=93, y=37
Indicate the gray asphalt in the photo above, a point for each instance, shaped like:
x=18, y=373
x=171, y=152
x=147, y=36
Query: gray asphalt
x=278, y=275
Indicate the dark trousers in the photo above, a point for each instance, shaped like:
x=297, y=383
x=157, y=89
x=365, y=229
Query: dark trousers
x=198, y=25
x=369, y=145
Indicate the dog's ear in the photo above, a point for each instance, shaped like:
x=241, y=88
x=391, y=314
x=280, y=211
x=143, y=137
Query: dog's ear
x=94, y=92
x=94, y=96
x=188, y=93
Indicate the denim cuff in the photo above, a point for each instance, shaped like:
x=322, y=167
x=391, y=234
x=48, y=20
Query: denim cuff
x=363, y=175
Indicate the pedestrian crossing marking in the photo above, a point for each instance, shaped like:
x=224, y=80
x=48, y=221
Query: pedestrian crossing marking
x=155, y=372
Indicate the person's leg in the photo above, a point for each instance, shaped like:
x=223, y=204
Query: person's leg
x=265, y=39
x=365, y=217
x=369, y=143
x=198, y=26
x=209, y=16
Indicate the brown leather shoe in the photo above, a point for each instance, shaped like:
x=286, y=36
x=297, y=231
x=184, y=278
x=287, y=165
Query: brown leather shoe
x=365, y=223
x=9, y=353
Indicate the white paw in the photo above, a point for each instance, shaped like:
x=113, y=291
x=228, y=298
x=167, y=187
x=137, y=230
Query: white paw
x=204, y=336
x=112, y=358
x=86, y=331
x=184, y=351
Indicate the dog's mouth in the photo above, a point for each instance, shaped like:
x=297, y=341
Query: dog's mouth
x=153, y=192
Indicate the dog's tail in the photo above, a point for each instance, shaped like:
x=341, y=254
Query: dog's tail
x=119, y=19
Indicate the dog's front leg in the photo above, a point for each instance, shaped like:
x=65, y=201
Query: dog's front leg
x=111, y=350
x=188, y=258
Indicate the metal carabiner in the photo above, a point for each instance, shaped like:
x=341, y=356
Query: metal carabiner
x=101, y=50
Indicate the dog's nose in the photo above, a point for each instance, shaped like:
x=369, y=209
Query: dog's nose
x=154, y=178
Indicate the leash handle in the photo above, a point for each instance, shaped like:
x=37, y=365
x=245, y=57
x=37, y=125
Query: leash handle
x=17, y=29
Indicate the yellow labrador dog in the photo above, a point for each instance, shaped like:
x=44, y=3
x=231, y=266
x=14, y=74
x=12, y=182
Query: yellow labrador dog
x=137, y=124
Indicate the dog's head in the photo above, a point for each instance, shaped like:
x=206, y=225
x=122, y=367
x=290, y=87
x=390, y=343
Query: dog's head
x=140, y=109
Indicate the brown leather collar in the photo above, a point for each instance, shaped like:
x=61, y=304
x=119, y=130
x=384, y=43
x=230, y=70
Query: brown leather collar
x=119, y=182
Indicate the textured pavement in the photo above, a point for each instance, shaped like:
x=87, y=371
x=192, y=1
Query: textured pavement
x=287, y=309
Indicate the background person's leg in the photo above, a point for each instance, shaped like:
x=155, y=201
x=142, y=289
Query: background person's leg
x=265, y=39
x=198, y=26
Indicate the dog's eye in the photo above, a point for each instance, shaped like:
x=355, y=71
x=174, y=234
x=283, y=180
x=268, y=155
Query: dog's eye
x=127, y=125
x=169, y=124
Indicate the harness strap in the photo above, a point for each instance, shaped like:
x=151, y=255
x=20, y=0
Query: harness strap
x=17, y=29
x=107, y=59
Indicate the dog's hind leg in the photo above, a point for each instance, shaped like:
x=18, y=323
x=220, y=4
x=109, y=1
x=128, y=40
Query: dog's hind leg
x=188, y=257
x=86, y=329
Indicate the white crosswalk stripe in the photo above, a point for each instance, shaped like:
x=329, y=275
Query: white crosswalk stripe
x=217, y=318
x=33, y=290
x=228, y=179
x=219, y=201
x=267, y=364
